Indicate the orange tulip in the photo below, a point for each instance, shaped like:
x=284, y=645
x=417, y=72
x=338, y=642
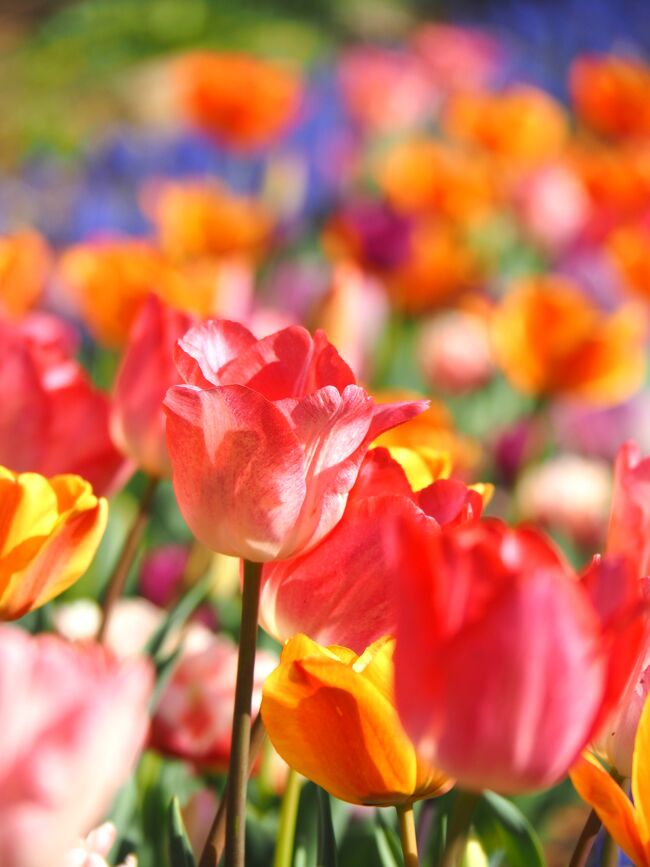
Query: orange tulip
x=330, y=715
x=612, y=95
x=523, y=123
x=628, y=249
x=24, y=266
x=239, y=99
x=49, y=532
x=205, y=219
x=628, y=822
x=551, y=340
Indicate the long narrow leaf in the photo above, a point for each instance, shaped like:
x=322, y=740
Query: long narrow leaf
x=501, y=826
x=180, y=850
x=326, y=853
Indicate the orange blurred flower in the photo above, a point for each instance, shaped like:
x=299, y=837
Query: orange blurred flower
x=49, y=532
x=241, y=100
x=551, y=340
x=198, y=219
x=628, y=249
x=330, y=714
x=522, y=123
x=24, y=266
x=612, y=95
x=427, y=175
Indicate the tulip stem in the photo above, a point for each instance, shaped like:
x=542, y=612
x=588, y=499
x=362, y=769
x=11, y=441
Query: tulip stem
x=610, y=852
x=407, y=835
x=128, y=553
x=288, y=815
x=585, y=840
x=217, y=837
x=458, y=828
x=238, y=769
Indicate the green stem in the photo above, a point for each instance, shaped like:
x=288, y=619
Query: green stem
x=241, y=729
x=407, y=835
x=585, y=840
x=610, y=853
x=288, y=815
x=458, y=829
x=128, y=553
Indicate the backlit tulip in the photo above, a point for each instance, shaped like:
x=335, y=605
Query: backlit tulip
x=507, y=663
x=241, y=100
x=267, y=437
x=52, y=419
x=24, y=267
x=629, y=521
x=73, y=721
x=330, y=715
x=550, y=339
x=49, y=532
x=340, y=591
x=627, y=821
x=193, y=719
x=146, y=372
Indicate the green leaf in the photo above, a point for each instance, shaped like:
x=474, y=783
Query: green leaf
x=180, y=850
x=502, y=827
x=387, y=841
x=326, y=853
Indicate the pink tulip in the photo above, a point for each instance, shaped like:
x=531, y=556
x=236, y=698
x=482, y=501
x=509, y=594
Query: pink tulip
x=267, y=437
x=73, y=720
x=507, y=663
x=146, y=372
x=340, y=591
x=193, y=719
x=629, y=521
x=52, y=419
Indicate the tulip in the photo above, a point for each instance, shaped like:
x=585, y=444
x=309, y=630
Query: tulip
x=242, y=101
x=330, y=715
x=73, y=721
x=627, y=821
x=507, y=663
x=267, y=437
x=193, y=719
x=459, y=58
x=340, y=591
x=455, y=353
x=551, y=340
x=611, y=94
x=146, y=372
x=49, y=531
x=629, y=521
x=52, y=419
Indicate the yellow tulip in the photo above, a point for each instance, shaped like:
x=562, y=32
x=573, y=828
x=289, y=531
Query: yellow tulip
x=330, y=715
x=49, y=532
x=628, y=823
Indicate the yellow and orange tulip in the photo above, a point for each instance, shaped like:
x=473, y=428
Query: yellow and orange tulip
x=49, y=532
x=627, y=821
x=330, y=715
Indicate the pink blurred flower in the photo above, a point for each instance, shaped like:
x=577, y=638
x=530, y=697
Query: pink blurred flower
x=94, y=849
x=146, y=372
x=161, y=573
x=454, y=352
x=568, y=493
x=458, y=58
x=73, y=720
x=553, y=205
x=193, y=719
x=629, y=523
x=385, y=90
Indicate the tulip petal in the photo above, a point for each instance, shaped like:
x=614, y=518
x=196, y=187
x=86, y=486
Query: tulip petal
x=450, y=502
x=389, y=415
x=596, y=787
x=333, y=725
x=238, y=469
x=207, y=347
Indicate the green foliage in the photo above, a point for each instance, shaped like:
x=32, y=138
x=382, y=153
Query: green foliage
x=180, y=849
x=503, y=830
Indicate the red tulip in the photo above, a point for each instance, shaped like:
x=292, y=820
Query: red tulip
x=52, y=419
x=340, y=591
x=267, y=437
x=507, y=663
x=146, y=372
x=629, y=521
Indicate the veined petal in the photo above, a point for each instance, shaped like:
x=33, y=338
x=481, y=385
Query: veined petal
x=207, y=347
x=238, y=469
